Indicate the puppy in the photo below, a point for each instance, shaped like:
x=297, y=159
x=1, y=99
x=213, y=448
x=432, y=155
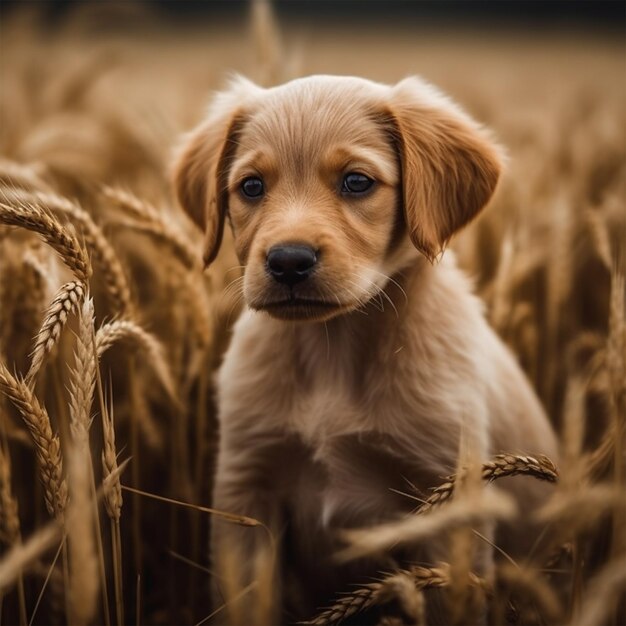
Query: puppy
x=361, y=354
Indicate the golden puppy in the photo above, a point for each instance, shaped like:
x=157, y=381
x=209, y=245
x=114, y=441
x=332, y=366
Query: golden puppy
x=358, y=358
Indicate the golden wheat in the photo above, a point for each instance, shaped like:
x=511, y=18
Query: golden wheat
x=113, y=275
x=83, y=379
x=22, y=555
x=112, y=487
x=84, y=579
x=68, y=299
x=489, y=505
x=84, y=169
x=19, y=176
x=47, y=445
x=34, y=217
x=532, y=584
x=151, y=222
x=500, y=466
x=373, y=593
x=127, y=330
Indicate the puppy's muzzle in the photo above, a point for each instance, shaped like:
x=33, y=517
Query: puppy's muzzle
x=290, y=264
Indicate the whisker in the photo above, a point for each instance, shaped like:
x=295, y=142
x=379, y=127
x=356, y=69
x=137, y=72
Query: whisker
x=232, y=285
x=390, y=279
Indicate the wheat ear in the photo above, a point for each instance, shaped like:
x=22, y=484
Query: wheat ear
x=102, y=253
x=126, y=330
x=14, y=175
x=66, y=300
x=34, y=217
x=373, y=593
x=111, y=483
x=501, y=465
x=47, y=445
x=151, y=222
x=83, y=379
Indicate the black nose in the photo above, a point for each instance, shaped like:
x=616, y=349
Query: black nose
x=291, y=264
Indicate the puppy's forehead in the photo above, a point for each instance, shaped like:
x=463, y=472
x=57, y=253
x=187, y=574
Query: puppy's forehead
x=303, y=117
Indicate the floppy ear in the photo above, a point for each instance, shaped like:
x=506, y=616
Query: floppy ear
x=201, y=166
x=450, y=167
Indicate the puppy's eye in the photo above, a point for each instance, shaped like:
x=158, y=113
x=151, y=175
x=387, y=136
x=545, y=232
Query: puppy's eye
x=252, y=187
x=356, y=183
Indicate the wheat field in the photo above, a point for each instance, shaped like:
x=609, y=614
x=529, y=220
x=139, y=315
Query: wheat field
x=111, y=331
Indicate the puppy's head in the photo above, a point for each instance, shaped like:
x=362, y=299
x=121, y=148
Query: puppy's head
x=331, y=185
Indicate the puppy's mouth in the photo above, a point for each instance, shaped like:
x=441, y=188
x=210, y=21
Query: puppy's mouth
x=296, y=308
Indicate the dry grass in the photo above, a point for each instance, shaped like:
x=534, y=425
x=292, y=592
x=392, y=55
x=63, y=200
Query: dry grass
x=89, y=115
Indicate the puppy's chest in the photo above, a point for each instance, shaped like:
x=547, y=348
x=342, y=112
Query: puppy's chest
x=351, y=467
x=319, y=393
x=321, y=408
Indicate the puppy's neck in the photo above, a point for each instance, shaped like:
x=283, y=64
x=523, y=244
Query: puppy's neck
x=351, y=342
x=387, y=308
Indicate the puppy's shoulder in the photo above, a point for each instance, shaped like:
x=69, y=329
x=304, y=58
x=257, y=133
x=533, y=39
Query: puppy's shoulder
x=441, y=304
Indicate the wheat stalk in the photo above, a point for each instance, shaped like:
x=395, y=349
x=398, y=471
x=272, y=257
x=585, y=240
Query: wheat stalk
x=500, y=299
x=598, y=231
x=66, y=300
x=43, y=268
x=112, y=490
x=10, y=522
x=486, y=506
x=196, y=303
x=47, y=445
x=9, y=518
x=535, y=586
x=616, y=348
x=268, y=44
x=83, y=521
x=84, y=580
x=35, y=217
x=616, y=366
x=21, y=555
x=603, y=593
x=39, y=286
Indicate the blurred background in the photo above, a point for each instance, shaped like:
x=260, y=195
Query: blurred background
x=94, y=97
x=551, y=13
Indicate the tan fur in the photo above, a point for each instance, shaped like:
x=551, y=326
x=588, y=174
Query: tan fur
x=324, y=410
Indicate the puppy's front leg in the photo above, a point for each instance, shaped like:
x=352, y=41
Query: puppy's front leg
x=245, y=558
